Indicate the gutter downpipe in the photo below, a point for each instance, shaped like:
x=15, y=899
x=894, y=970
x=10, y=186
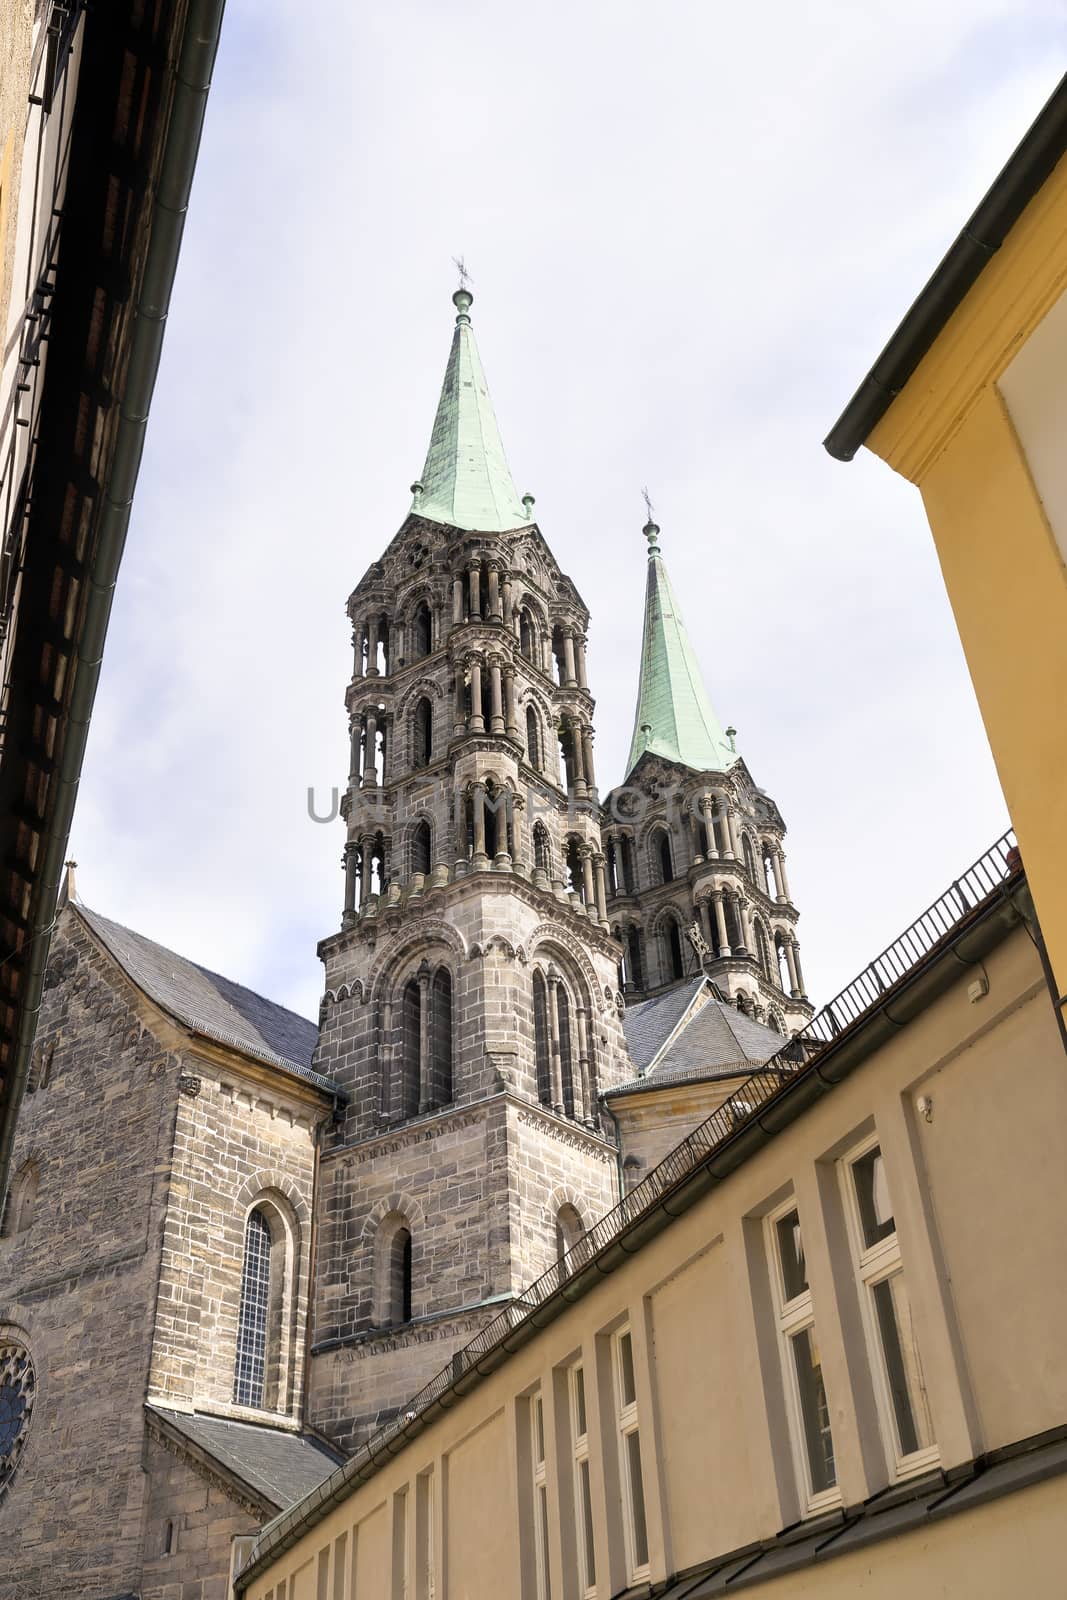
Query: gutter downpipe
x=192, y=83
x=618, y=1146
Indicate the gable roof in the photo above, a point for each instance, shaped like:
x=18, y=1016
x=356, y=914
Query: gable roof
x=691, y=1032
x=211, y=1004
x=277, y=1466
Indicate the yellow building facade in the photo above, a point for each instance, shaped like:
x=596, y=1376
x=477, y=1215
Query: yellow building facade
x=969, y=402
x=815, y=1355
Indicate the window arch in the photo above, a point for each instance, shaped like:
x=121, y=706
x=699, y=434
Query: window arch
x=393, y=1278
x=750, y=860
x=632, y=1169
x=542, y=848
x=673, y=960
x=763, y=952
x=533, y=738
x=662, y=856
x=421, y=847
x=567, y=1063
x=635, y=957
x=422, y=733
x=410, y=1034
x=441, y=1038
x=569, y=1228
x=421, y=632
x=527, y=634
x=542, y=1040
x=23, y=1199
x=256, y=1320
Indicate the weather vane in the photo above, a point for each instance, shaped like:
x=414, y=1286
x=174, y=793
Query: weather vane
x=461, y=267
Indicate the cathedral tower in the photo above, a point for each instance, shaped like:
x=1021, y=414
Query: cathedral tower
x=696, y=869
x=472, y=1009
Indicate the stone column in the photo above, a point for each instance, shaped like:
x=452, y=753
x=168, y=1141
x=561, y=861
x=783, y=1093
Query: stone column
x=474, y=592
x=351, y=866
x=495, y=614
x=576, y=755
x=505, y=590
x=800, y=972
x=496, y=703
x=583, y=1089
x=720, y=922
x=459, y=710
x=570, y=680
x=711, y=849
x=425, y=1095
x=546, y=654
x=517, y=845
x=355, y=733
x=457, y=602
x=372, y=647
x=601, y=890
x=707, y=924
x=780, y=878
x=553, y=1029
x=477, y=719
x=696, y=843
x=511, y=710
x=585, y=855
x=791, y=963
x=731, y=825
x=587, y=754
x=370, y=764
x=583, y=681
x=478, y=805
x=745, y=919
x=365, y=843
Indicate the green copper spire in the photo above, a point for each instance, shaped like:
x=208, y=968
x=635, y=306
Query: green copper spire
x=466, y=481
x=674, y=716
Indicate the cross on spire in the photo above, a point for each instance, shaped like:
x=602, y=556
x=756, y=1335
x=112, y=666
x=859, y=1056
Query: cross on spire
x=461, y=267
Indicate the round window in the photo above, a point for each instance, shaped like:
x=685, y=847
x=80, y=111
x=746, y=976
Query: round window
x=17, y=1386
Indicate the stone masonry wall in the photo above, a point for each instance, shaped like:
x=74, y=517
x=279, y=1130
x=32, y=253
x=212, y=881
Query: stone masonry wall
x=77, y=1286
x=205, y=1517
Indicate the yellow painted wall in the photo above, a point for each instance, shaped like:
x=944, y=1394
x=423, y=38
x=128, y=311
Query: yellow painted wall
x=950, y=433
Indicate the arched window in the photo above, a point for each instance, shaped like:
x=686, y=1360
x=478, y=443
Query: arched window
x=422, y=733
x=527, y=633
x=763, y=953
x=421, y=847
x=632, y=1168
x=533, y=738
x=567, y=1063
x=661, y=845
x=774, y=1021
x=569, y=1228
x=400, y=1276
x=542, y=1040
x=23, y=1199
x=558, y=656
x=750, y=860
x=441, y=1038
x=635, y=961
x=542, y=848
x=784, y=980
x=253, y=1317
x=573, y=862
x=410, y=1031
x=421, y=632
x=768, y=873
x=673, y=949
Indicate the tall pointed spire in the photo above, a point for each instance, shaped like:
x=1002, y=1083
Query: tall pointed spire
x=674, y=716
x=466, y=482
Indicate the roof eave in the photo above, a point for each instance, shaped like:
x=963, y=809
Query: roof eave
x=1026, y=171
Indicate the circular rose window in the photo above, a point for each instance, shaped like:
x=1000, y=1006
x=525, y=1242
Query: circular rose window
x=17, y=1385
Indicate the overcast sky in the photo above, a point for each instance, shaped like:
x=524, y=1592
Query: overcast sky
x=691, y=227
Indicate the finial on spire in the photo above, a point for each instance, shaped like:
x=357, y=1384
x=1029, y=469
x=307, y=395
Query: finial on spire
x=528, y=505
x=651, y=527
x=462, y=299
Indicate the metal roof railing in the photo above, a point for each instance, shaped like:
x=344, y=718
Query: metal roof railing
x=866, y=991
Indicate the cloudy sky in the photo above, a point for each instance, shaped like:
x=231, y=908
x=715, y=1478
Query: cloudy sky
x=691, y=227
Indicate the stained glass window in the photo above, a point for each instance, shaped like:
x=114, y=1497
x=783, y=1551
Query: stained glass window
x=17, y=1388
x=250, y=1370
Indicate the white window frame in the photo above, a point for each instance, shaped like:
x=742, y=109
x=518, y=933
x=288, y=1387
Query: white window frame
x=627, y=1424
x=795, y=1316
x=539, y=1465
x=584, y=1537
x=875, y=1264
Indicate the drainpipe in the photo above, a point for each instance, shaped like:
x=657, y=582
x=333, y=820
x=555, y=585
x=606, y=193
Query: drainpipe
x=192, y=83
x=618, y=1146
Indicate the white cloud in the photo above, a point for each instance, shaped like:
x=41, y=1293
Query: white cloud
x=690, y=230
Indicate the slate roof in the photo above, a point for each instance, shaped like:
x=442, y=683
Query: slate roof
x=710, y=1037
x=211, y=1004
x=278, y=1466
